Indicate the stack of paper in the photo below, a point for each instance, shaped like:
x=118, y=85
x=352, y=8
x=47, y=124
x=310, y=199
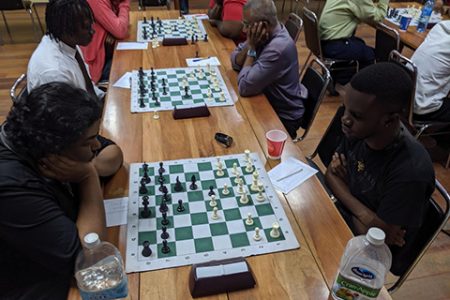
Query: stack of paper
x=289, y=174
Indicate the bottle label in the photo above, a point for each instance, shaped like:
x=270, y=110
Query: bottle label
x=346, y=289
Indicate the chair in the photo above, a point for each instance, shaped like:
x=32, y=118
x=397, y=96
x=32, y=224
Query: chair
x=386, y=40
x=434, y=222
x=313, y=43
x=20, y=83
x=317, y=83
x=294, y=25
x=9, y=5
x=153, y=3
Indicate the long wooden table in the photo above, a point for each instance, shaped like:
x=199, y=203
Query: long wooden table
x=304, y=273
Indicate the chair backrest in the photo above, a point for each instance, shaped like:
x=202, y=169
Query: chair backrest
x=411, y=69
x=11, y=4
x=143, y=3
x=434, y=221
x=294, y=25
x=311, y=30
x=386, y=40
x=316, y=81
x=19, y=85
x=330, y=139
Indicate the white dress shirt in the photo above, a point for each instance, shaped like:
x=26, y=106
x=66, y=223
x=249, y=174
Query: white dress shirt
x=432, y=59
x=55, y=61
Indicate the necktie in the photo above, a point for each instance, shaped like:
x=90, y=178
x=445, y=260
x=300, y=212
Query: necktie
x=87, y=79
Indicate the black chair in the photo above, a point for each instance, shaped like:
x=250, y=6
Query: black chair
x=153, y=3
x=294, y=25
x=386, y=40
x=10, y=5
x=19, y=88
x=313, y=43
x=317, y=83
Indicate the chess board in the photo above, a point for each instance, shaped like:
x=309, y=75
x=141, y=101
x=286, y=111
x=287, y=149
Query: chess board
x=394, y=15
x=171, y=28
x=201, y=81
x=194, y=236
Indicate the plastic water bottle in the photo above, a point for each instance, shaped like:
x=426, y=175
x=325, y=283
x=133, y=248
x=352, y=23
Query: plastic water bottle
x=425, y=15
x=99, y=270
x=363, y=268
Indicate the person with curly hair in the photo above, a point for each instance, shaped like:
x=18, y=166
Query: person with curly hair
x=50, y=194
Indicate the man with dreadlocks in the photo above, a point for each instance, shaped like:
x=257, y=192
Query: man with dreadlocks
x=58, y=58
x=50, y=194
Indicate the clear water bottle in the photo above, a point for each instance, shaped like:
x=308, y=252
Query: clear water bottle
x=425, y=15
x=99, y=270
x=363, y=268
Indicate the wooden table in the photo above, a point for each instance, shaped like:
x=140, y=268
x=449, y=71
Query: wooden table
x=304, y=273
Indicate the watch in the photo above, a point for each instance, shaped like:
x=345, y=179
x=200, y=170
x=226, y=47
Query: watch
x=251, y=53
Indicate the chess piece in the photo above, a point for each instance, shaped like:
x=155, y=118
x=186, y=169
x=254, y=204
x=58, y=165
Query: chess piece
x=161, y=168
x=145, y=200
x=164, y=234
x=222, y=97
x=254, y=187
x=247, y=156
x=143, y=188
x=249, y=220
x=141, y=102
x=146, y=252
x=155, y=115
x=249, y=167
x=244, y=199
x=211, y=191
x=180, y=207
x=163, y=207
x=257, y=236
x=238, y=178
x=193, y=186
x=205, y=38
x=146, y=212
x=145, y=20
x=164, y=220
x=219, y=171
x=213, y=201
x=215, y=214
x=275, y=232
x=260, y=197
x=225, y=190
x=178, y=186
x=165, y=248
x=241, y=189
x=235, y=170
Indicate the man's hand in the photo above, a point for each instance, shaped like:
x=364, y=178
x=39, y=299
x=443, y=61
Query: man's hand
x=338, y=166
x=64, y=169
x=257, y=35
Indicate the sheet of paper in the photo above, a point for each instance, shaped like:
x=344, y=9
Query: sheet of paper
x=203, y=61
x=116, y=211
x=196, y=16
x=124, y=81
x=289, y=174
x=132, y=46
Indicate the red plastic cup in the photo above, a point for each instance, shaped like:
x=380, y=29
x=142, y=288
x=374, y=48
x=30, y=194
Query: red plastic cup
x=275, y=143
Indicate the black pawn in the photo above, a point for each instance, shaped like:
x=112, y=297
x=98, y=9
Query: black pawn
x=164, y=234
x=145, y=20
x=163, y=82
x=141, y=102
x=193, y=186
x=165, y=248
x=145, y=200
x=211, y=191
x=146, y=252
x=146, y=212
x=146, y=178
x=192, y=39
x=143, y=188
x=163, y=207
x=180, y=207
x=164, y=220
x=164, y=90
x=152, y=20
x=186, y=92
x=178, y=186
x=161, y=168
x=205, y=38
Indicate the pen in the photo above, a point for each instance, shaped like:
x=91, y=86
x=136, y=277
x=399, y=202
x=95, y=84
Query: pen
x=289, y=175
x=201, y=58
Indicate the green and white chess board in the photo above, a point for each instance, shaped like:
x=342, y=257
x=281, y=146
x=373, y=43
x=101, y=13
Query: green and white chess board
x=172, y=28
x=195, y=236
x=205, y=86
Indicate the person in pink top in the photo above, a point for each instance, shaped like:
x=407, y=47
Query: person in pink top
x=226, y=15
x=111, y=24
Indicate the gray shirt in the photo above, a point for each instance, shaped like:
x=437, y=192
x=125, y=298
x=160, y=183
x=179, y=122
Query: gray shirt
x=275, y=73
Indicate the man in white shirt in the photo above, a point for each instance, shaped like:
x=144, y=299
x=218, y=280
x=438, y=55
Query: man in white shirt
x=432, y=59
x=57, y=58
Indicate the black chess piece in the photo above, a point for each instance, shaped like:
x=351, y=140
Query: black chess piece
x=146, y=212
x=146, y=252
x=152, y=20
x=161, y=168
x=161, y=177
x=154, y=97
x=141, y=102
x=164, y=220
x=186, y=92
x=193, y=186
x=196, y=38
x=164, y=90
x=205, y=38
x=152, y=72
x=161, y=186
x=192, y=39
x=157, y=102
x=143, y=188
x=141, y=73
x=145, y=20
x=145, y=200
x=163, y=208
x=178, y=186
x=180, y=207
x=211, y=191
x=165, y=248
x=163, y=82
x=164, y=234
x=146, y=178
x=164, y=190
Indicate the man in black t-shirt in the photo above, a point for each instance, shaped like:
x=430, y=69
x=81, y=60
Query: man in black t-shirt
x=50, y=194
x=381, y=175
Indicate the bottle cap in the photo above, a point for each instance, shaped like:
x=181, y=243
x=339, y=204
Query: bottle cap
x=91, y=240
x=375, y=236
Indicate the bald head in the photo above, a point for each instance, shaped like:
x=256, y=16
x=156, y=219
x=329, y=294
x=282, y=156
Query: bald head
x=262, y=10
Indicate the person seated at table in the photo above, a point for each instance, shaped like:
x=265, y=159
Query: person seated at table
x=57, y=58
x=226, y=15
x=111, y=23
x=50, y=194
x=432, y=101
x=337, y=28
x=267, y=63
x=380, y=174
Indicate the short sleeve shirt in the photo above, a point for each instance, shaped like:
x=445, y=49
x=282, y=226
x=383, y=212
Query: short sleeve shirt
x=232, y=9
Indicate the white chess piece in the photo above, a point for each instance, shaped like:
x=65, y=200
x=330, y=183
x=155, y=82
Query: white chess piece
x=275, y=232
x=222, y=97
x=257, y=236
x=260, y=197
x=225, y=190
x=219, y=171
x=247, y=156
x=249, y=167
x=241, y=189
x=209, y=94
x=254, y=187
x=238, y=178
x=244, y=198
x=249, y=220
x=215, y=213
x=155, y=115
x=213, y=201
x=235, y=170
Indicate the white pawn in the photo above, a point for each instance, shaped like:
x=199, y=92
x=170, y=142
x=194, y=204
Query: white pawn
x=235, y=170
x=260, y=197
x=222, y=97
x=249, y=167
x=155, y=115
x=254, y=187
x=213, y=202
x=241, y=189
x=238, y=178
x=219, y=171
x=215, y=213
x=257, y=236
x=244, y=198
x=249, y=220
x=275, y=232
x=209, y=94
x=225, y=190
x=256, y=174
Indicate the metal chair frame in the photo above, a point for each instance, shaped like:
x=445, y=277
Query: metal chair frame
x=13, y=91
x=296, y=21
x=384, y=32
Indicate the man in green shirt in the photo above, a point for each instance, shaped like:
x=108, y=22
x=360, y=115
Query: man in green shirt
x=337, y=27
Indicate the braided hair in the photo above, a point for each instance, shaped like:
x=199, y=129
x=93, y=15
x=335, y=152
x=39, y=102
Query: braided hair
x=50, y=119
x=65, y=17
